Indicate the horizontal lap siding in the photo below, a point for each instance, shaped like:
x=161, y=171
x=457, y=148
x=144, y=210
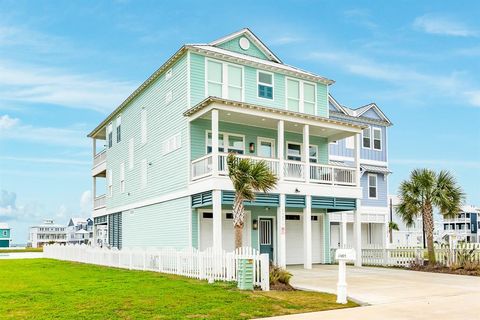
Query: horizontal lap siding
x=168, y=172
x=197, y=78
x=253, y=50
x=251, y=90
x=376, y=155
x=381, y=189
x=163, y=224
x=340, y=149
x=200, y=126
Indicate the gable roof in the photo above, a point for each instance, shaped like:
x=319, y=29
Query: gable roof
x=358, y=112
x=253, y=38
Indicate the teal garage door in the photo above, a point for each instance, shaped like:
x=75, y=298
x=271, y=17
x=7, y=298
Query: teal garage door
x=4, y=243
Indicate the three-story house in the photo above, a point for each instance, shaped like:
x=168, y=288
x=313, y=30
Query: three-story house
x=163, y=167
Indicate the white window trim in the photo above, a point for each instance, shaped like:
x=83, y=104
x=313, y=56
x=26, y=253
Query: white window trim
x=350, y=146
x=172, y=143
x=272, y=141
x=301, y=151
x=266, y=84
x=301, y=94
x=370, y=130
x=376, y=186
x=224, y=82
x=373, y=139
x=226, y=136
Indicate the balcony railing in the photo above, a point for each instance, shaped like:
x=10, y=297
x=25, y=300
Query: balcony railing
x=99, y=158
x=99, y=202
x=292, y=170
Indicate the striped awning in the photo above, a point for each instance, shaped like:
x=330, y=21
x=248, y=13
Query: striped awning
x=376, y=169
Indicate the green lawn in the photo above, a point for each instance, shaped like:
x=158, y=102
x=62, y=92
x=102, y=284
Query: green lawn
x=49, y=289
x=21, y=250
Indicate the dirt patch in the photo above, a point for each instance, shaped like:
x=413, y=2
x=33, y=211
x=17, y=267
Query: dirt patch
x=282, y=287
x=443, y=269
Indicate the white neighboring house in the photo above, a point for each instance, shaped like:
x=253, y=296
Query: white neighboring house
x=405, y=236
x=101, y=236
x=80, y=230
x=464, y=226
x=48, y=232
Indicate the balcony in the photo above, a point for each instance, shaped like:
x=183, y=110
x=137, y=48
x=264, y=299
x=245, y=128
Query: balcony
x=286, y=169
x=99, y=163
x=99, y=202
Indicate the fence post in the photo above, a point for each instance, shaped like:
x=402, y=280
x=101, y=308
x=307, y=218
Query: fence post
x=265, y=272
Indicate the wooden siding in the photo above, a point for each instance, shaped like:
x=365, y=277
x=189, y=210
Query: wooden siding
x=197, y=87
x=381, y=200
x=163, y=121
x=200, y=126
x=163, y=224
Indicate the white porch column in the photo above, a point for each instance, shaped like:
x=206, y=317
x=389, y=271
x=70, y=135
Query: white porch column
x=307, y=233
x=217, y=219
x=215, y=142
x=357, y=159
x=343, y=232
x=94, y=147
x=281, y=250
x=280, y=148
x=306, y=151
x=357, y=231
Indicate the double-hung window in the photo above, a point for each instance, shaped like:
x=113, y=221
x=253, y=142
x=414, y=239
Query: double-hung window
x=227, y=142
x=221, y=145
x=372, y=186
x=224, y=80
x=301, y=96
x=119, y=129
x=265, y=85
x=366, y=138
x=377, y=139
x=294, y=152
x=110, y=135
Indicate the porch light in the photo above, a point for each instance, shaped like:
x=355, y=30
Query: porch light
x=251, y=147
x=255, y=225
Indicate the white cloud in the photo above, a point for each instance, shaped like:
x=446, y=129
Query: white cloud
x=6, y=122
x=10, y=210
x=59, y=87
x=86, y=203
x=441, y=25
x=361, y=17
x=474, y=97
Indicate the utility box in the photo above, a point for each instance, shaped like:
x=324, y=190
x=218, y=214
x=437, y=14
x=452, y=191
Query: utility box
x=245, y=274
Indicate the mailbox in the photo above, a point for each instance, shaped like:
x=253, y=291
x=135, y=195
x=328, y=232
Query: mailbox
x=343, y=256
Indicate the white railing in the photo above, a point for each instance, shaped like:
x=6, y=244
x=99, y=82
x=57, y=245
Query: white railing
x=271, y=163
x=202, y=167
x=99, y=158
x=293, y=170
x=332, y=174
x=99, y=202
x=190, y=262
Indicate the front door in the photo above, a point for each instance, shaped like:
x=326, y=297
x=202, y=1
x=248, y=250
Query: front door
x=266, y=236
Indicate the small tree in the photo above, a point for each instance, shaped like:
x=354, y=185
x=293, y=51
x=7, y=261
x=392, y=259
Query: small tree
x=247, y=177
x=421, y=193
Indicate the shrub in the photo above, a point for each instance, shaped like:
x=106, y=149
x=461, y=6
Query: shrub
x=279, y=276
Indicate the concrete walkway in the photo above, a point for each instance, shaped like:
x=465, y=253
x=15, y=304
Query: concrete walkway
x=393, y=294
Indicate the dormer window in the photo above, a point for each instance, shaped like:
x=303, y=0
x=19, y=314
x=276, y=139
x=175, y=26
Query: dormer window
x=265, y=85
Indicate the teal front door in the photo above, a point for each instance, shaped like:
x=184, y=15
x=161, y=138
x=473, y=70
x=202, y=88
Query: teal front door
x=266, y=236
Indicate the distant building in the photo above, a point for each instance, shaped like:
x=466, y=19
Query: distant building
x=464, y=226
x=5, y=235
x=101, y=236
x=405, y=236
x=48, y=232
x=80, y=230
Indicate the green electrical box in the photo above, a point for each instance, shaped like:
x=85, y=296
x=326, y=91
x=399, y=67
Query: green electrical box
x=245, y=274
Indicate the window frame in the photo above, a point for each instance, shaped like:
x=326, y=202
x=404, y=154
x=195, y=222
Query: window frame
x=301, y=150
x=373, y=138
x=265, y=84
x=226, y=140
x=369, y=137
x=225, y=85
x=301, y=96
x=272, y=141
x=370, y=186
x=118, y=126
x=110, y=135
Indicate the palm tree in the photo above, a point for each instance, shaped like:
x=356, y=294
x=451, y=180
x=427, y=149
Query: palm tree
x=247, y=177
x=425, y=190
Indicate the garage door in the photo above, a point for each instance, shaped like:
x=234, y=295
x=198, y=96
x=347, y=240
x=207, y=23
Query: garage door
x=294, y=238
x=4, y=243
x=206, y=231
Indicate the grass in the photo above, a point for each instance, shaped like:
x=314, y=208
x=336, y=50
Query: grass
x=21, y=250
x=50, y=289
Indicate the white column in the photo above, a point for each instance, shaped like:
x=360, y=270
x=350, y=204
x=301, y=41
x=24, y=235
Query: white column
x=281, y=250
x=306, y=151
x=217, y=219
x=94, y=147
x=215, y=142
x=307, y=233
x=357, y=231
x=343, y=232
x=280, y=148
x=94, y=190
x=357, y=159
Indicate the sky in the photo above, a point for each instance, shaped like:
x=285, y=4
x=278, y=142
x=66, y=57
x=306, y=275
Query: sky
x=65, y=65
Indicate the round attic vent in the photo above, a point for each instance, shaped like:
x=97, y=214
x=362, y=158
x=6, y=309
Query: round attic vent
x=244, y=43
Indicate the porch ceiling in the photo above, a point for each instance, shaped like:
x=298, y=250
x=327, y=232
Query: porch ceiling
x=265, y=117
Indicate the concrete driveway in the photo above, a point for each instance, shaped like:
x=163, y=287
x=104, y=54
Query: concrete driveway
x=393, y=294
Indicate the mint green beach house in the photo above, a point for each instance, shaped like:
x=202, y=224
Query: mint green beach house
x=5, y=235
x=160, y=156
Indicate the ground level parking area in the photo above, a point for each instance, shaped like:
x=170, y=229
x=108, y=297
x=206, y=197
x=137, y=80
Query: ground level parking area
x=393, y=293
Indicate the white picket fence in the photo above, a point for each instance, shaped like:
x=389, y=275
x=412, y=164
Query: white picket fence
x=205, y=265
x=405, y=256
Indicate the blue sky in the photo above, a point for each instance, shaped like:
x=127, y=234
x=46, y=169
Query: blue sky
x=64, y=65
